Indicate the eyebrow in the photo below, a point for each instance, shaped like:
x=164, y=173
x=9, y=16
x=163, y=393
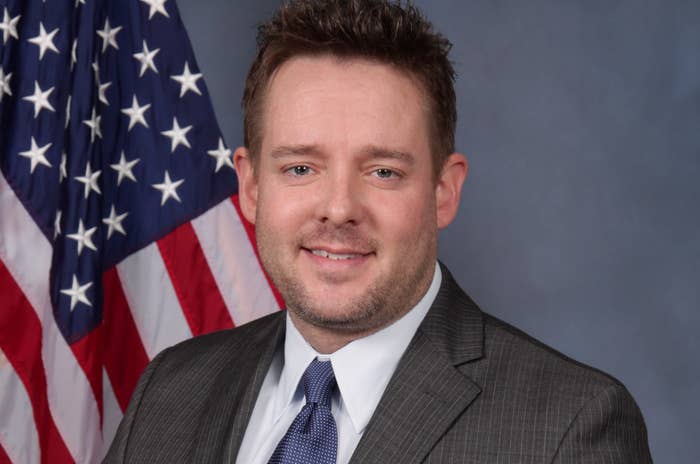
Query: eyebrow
x=376, y=152
x=369, y=151
x=294, y=150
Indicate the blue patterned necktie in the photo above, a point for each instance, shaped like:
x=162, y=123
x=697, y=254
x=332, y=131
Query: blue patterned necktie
x=312, y=437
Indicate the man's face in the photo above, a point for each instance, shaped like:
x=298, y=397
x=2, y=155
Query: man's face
x=343, y=196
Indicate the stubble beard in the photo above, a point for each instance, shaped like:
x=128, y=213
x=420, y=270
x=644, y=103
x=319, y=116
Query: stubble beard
x=392, y=295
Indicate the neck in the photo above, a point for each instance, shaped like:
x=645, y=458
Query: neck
x=323, y=340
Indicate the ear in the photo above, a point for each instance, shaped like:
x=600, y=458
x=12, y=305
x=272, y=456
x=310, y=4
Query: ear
x=247, y=183
x=449, y=188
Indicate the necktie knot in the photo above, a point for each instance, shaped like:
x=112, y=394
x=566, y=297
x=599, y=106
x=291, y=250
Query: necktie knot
x=319, y=382
x=313, y=436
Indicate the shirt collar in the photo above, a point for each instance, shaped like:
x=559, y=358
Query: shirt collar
x=362, y=368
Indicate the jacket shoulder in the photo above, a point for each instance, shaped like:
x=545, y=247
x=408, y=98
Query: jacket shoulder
x=537, y=404
x=239, y=339
x=578, y=413
x=210, y=375
x=535, y=363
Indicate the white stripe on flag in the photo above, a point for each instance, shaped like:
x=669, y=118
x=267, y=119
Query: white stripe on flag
x=112, y=413
x=24, y=250
x=27, y=255
x=233, y=263
x=78, y=421
x=17, y=422
x=154, y=305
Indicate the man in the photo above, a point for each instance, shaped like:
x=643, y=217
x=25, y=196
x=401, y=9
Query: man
x=348, y=174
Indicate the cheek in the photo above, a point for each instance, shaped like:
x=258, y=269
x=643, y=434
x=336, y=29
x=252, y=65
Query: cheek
x=406, y=217
x=281, y=210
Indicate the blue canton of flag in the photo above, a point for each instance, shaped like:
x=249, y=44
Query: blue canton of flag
x=107, y=137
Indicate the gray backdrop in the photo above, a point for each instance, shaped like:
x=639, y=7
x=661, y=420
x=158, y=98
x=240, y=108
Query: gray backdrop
x=580, y=217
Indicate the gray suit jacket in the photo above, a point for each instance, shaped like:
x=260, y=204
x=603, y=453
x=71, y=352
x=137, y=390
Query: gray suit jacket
x=469, y=389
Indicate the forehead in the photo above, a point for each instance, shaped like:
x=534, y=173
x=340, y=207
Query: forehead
x=342, y=104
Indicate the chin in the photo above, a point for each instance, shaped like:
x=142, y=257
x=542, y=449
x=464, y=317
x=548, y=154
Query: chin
x=351, y=314
x=337, y=323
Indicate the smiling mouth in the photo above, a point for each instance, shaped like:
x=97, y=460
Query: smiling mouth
x=335, y=256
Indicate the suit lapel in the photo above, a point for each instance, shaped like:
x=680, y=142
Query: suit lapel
x=427, y=392
x=226, y=416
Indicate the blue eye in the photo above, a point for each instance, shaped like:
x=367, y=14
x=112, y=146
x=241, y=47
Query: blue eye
x=300, y=170
x=384, y=173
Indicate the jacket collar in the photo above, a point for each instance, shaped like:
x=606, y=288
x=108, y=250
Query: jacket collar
x=427, y=392
x=454, y=324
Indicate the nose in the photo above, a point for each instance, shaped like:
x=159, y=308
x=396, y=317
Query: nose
x=342, y=199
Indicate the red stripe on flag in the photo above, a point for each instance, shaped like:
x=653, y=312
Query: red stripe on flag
x=88, y=352
x=194, y=284
x=124, y=356
x=250, y=230
x=20, y=340
x=4, y=458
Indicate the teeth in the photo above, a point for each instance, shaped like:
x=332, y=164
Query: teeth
x=328, y=255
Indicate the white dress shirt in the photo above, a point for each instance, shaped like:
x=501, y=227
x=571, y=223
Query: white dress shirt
x=362, y=370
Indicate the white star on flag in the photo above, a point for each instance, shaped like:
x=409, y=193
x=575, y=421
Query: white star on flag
x=4, y=84
x=8, y=26
x=168, y=189
x=188, y=81
x=83, y=237
x=44, y=41
x=57, y=224
x=62, y=171
x=135, y=113
x=146, y=59
x=177, y=135
x=68, y=111
x=101, y=89
x=156, y=6
x=109, y=36
x=96, y=69
x=124, y=168
x=90, y=180
x=114, y=222
x=36, y=155
x=94, y=124
x=40, y=99
x=73, y=54
x=77, y=293
x=222, y=155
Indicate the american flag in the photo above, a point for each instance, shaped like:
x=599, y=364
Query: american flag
x=120, y=232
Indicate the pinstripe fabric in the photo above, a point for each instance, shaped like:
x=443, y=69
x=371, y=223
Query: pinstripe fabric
x=469, y=389
x=193, y=402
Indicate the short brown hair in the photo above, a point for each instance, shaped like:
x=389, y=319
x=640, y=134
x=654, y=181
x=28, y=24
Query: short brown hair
x=388, y=32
